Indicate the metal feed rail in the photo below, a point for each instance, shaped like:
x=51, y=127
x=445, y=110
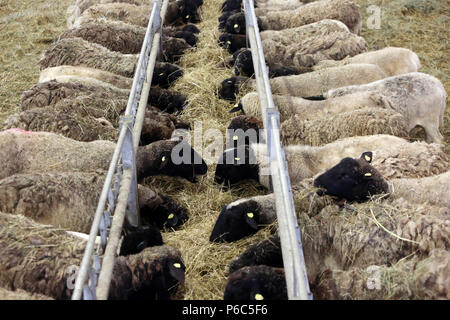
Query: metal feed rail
x=120, y=186
x=291, y=245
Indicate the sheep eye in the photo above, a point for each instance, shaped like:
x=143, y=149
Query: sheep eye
x=177, y=265
x=250, y=215
x=259, y=296
x=368, y=174
x=235, y=138
x=236, y=26
x=170, y=216
x=163, y=158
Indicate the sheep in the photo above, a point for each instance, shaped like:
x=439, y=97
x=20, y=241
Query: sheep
x=80, y=126
x=154, y=273
x=51, y=92
x=309, y=84
x=224, y=17
x=68, y=124
x=177, y=13
x=419, y=97
x=327, y=242
x=344, y=181
x=335, y=45
x=79, y=52
x=361, y=122
x=256, y=283
x=309, y=110
x=137, y=239
x=71, y=198
x=326, y=129
x=393, y=61
x=345, y=11
x=123, y=37
x=288, y=37
x=42, y=151
x=394, y=157
x=236, y=220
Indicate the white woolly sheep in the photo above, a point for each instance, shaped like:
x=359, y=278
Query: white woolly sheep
x=309, y=110
x=49, y=152
x=308, y=84
x=393, y=61
x=343, y=10
x=419, y=97
x=393, y=157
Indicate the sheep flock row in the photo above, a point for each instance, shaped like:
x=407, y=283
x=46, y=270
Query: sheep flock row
x=362, y=131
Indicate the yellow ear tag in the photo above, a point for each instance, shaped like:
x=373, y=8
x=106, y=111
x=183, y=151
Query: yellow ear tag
x=177, y=265
x=163, y=158
x=259, y=296
x=236, y=26
x=187, y=17
x=229, y=42
x=367, y=158
x=161, y=74
x=235, y=138
x=368, y=174
x=170, y=216
x=250, y=215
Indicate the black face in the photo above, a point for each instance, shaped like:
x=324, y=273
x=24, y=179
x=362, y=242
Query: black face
x=244, y=64
x=189, y=37
x=256, y=283
x=137, y=239
x=190, y=28
x=230, y=87
x=167, y=101
x=165, y=74
x=282, y=71
x=236, y=23
x=173, y=48
x=249, y=131
x=234, y=166
x=224, y=17
x=232, y=42
x=352, y=179
x=168, y=214
x=187, y=164
x=236, y=222
x=190, y=15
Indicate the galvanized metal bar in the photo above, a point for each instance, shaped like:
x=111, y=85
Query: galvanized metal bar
x=290, y=237
x=135, y=93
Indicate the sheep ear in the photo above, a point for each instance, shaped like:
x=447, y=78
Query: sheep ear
x=367, y=156
x=176, y=271
x=249, y=218
x=141, y=246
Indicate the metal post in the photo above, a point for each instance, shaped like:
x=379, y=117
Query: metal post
x=290, y=237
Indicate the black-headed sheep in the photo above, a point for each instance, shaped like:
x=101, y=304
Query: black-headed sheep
x=51, y=92
x=256, y=283
x=69, y=200
x=42, y=151
x=419, y=97
x=393, y=157
x=308, y=84
x=345, y=11
x=79, y=52
x=52, y=251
